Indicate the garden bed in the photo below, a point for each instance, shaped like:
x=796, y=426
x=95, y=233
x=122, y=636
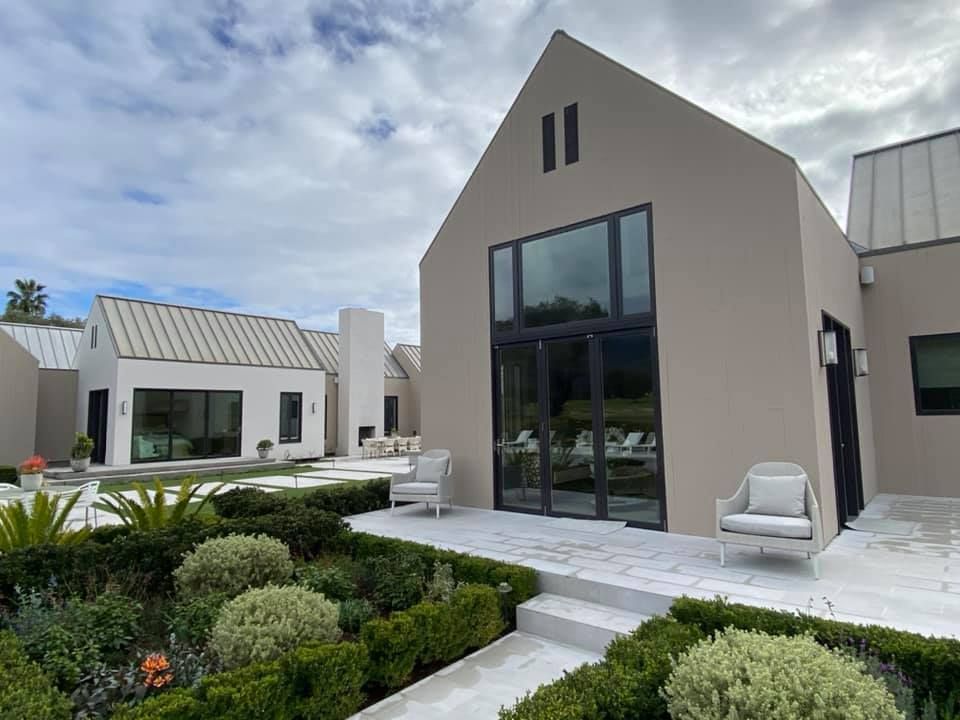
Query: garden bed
x=714, y=659
x=271, y=608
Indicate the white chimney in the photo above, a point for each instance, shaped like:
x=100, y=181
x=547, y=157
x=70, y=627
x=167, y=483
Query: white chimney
x=360, y=387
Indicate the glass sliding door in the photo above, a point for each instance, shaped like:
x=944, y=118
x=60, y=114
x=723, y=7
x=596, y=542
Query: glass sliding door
x=185, y=424
x=572, y=477
x=631, y=449
x=517, y=428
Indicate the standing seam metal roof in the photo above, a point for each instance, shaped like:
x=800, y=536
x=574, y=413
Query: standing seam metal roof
x=55, y=348
x=906, y=193
x=156, y=331
x=412, y=352
x=326, y=346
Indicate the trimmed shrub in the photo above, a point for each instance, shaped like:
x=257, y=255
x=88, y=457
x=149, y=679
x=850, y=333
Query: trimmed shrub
x=351, y=498
x=932, y=664
x=326, y=681
x=353, y=614
x=232, y=564
x=8, y=474
x=749, y=674
x=395, y=582
x=476, y=609
x=75, y=568
x=178, y=704
x=394, y=645
x=248, y=502
x=25, y=691
x=335, y=583
x=192, y=620
x=255, y=690
x=263, y=623
x=308, y=532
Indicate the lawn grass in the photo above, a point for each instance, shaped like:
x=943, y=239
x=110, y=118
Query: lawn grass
x=226, y=477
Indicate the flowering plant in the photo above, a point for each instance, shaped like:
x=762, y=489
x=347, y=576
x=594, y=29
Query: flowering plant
x=157, y=668
x=31, y=465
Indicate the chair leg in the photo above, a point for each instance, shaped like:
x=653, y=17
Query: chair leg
x=438, y=511
x=816, y=566
x=808, y=556
x=723, y=554
x=393, y=504
x=761, y=549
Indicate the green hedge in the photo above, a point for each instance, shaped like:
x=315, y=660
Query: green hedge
x=313, y=682
x=431, y=632
x=933, y=664
x=326, y=682
x=8, y=474
x=626, y=683
x=347, y=499
x=25, y=691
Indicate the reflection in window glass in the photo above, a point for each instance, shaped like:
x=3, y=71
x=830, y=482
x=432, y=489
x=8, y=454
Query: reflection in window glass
x=151, y=425
x=519, y=420
x=223, y=432
x=566, y=277
x=635, y=261
x=503, y=289
x=937, y=368
x=291, y=417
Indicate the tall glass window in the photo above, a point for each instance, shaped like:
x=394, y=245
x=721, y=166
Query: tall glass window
x=291, y=417
x=936, y=372
x=635, y=263
x=566, y=277
x=503, y=306
x=185, y=424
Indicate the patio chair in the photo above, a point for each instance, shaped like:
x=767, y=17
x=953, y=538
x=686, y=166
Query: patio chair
x=521, y=440
x=774, y=507
x=414, y=445
x=649, y=444
x=88, y=496
x=430, y=481
x=371, y=448
x=633, y=440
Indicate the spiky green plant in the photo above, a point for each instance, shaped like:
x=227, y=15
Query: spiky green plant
x=146, y=513
x=45, y=522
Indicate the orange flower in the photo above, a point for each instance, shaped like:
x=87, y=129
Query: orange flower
x=157, y=667
x=33, y=464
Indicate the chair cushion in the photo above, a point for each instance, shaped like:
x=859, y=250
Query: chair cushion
x=777, y=495
x=415, y=488
x=430, y=469
x=768, y=525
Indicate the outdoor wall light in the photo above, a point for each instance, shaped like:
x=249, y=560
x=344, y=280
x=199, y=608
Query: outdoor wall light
x=313, y=408
x=123, y=407
x=861, y=367
x=828, y=347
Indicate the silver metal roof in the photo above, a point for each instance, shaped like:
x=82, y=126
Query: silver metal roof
x=326, y=346
x=411, y=352
x=906, y=193
x=55, y=348
x=156, y=331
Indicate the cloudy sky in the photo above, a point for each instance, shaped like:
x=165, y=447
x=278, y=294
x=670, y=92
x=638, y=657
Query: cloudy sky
x=292, y=156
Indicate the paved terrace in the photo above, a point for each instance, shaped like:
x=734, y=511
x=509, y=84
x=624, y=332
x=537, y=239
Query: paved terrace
x=907, y=581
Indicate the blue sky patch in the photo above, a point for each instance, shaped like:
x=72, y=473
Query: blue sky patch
x=141, y=196
x=379, y=129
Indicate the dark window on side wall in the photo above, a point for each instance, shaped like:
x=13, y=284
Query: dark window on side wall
x=291, y=417
x=571, y=134
x=936, y=373
x=549, y=143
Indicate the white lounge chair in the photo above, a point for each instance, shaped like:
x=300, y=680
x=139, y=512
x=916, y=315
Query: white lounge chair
x=521, y=440
x=430, y=481
x=649, y=444
x=633, y=440
x=774, y=507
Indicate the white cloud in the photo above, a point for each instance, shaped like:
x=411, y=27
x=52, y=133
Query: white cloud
x=294, y=157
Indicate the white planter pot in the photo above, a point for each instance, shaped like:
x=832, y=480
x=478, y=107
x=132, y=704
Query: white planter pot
x=31, y=481
x=264, y=453
x=80, y=465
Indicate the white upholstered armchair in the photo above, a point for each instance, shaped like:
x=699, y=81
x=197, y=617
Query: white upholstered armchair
x=775, y=507
x=430, y=480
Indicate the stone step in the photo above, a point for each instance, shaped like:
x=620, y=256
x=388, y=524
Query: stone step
x=575, y=622
x=635, y=595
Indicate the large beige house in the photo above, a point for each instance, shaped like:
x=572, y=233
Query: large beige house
x=632, y=301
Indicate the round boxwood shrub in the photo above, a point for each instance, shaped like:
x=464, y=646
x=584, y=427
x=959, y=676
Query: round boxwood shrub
x=232, y=564
x=749, y=674
x=263, y=623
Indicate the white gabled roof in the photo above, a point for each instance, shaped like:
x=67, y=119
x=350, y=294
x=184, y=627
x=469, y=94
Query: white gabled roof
x=411, y=352
x=326, y=346
x=146, y=330
x=55, y=348
x=906, y=193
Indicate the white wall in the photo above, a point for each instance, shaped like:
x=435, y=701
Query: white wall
x=261, y=388
x=360, y=401
x=97, y=371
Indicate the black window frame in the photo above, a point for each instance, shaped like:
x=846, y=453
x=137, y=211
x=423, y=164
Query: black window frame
x=548, y=137
x=914, y=370
x=571, y=134
x=206, y=423
x=616, y=318
x=299, y=438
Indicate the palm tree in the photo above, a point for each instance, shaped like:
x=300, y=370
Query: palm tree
x=28, y=298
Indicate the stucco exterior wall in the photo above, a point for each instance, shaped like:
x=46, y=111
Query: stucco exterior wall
x=831, y=278
x=408, y=419
x=261, y=389
x=97, y=370
x=56, y=413
x=19, y=375
x=413, y=384
x=734, y=351
x=360, y=386
x=915, y=293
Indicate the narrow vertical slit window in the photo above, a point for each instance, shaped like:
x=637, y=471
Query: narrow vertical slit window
x=571, y=134
x=549, y=143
